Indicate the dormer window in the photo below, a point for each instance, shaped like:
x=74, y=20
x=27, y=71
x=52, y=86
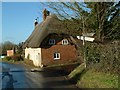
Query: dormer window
x=65, y=42
x=52, y=41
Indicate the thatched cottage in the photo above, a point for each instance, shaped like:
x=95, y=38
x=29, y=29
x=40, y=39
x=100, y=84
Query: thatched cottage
x=45, y=46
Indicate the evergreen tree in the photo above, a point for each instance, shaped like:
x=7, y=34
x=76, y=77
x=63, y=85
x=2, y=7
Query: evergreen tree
x=103, y=18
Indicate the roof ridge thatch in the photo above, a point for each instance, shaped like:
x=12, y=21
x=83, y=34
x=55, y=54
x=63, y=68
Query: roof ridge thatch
x=51, y=25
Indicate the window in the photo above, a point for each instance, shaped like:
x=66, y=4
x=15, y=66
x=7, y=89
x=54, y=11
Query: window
x=56, y=56
x=65, y=42
x=52, y=41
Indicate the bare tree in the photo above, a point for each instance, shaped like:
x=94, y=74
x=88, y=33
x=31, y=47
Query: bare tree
x=7, y=46
x=96, y=16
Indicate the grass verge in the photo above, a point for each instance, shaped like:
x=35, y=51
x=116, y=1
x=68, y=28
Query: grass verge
x=29, y=63
x=93, y=79
x=10, y=61
x=26, y=62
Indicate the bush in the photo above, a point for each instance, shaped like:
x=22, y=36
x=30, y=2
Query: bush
x=92, y=53
x=103, y=57
x=16, y=57
x=110, y=59
x=13, y=58
x=8, y=58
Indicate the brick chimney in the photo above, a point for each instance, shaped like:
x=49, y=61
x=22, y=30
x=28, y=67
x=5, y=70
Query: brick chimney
x=45, y=14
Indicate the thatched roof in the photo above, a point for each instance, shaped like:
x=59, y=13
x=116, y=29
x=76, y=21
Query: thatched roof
x=51, y=25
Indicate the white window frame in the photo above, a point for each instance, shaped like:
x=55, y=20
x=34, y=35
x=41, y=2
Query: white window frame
x=55, y=56
x=52, y=41
x=64, y=42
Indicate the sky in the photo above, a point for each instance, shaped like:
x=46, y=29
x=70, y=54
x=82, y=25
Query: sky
x=18, y=20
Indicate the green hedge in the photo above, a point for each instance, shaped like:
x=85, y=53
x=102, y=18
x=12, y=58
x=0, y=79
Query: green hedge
x=8, y=58
x=104, y=57
x=14, y=58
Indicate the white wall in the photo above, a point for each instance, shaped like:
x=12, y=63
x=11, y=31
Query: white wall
x=34, y=55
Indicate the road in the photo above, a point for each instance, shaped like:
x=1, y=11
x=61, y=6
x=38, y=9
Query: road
x=18, y=76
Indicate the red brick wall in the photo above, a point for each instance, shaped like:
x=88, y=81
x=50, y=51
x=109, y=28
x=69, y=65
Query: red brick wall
x=67, y=54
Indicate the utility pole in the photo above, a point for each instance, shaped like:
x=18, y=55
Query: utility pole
x=84, y=55
x=85, y=37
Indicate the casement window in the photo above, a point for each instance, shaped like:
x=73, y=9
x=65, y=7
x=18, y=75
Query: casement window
x=56, y=55
x=52, y=41
x=65, y=42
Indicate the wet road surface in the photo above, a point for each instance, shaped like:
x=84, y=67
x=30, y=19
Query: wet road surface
x=17, y=76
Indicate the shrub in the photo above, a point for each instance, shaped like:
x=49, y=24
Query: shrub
x=105, y=57
x=92, y=53
x=8, y=58
x=16, y=57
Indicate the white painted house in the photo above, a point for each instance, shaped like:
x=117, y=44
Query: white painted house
x=34, y=54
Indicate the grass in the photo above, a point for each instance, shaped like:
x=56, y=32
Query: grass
x=10, y=61
x=93, y=79
x=76, y=71
x=26, y=62
x=59, y=65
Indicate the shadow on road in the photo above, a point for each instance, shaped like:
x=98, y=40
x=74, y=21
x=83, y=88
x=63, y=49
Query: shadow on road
x=9, y=82
x=48, y=78
x=54, y=78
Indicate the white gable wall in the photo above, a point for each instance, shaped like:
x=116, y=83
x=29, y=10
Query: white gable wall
x=34, y=54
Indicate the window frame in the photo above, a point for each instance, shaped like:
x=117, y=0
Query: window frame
x=55, y=56
x=53, y=41
x=64, y=42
